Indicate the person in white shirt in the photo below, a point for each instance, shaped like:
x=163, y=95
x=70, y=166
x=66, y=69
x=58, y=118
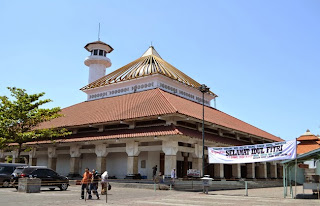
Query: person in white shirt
x=104, y=182
x=173, y=175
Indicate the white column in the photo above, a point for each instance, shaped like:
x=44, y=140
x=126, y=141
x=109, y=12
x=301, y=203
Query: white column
x=197, y=158
x=262, y=170
x=170, y=149
x=251, y=170
x=33, y=157
x=2, y=157
x=14, y=155
x=52, y=158
x=236, y=171
x=74, y=160
x=218, y=171
x=132, y=149
x=101, y=152
x=280, y=168
x=273, y=170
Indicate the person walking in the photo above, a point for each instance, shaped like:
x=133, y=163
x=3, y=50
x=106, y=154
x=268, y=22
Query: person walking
x=154, y=171
x=158, y=180
x=86, y=180
x=104, y=183
x=94, y=183
x=173, y=175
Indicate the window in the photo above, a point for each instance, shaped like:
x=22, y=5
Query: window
x=51, y=173
x=104, y=53
x=95, y=52
x=6, y=170
x=101, y=52
x=40, y=173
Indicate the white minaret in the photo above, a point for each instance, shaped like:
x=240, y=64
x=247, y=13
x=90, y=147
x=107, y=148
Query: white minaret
x=98, y=60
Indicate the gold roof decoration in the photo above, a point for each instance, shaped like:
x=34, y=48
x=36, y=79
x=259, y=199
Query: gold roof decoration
x=148, y=64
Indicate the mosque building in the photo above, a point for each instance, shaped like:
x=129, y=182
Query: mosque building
x=143, y=114
x=308, y=142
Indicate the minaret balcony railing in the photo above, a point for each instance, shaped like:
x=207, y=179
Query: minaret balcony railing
x=97, y=60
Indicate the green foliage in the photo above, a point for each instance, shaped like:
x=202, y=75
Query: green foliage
x=3, y=142
x=9, y=159
x=20, y=118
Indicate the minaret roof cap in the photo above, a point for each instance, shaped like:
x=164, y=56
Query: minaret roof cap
x=90, y=46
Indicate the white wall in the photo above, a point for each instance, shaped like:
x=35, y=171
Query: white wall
x=87, y=160
x=153, y=159
x=42, y=160
x=117, y=164
x=63, y=164
x=143, y=156
x=311, y=163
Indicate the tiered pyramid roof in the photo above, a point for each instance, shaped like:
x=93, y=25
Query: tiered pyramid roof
x=150, y=103
x=150, y=63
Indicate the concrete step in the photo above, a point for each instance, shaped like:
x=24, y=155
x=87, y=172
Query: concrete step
x=226, y=185
x=195, y=185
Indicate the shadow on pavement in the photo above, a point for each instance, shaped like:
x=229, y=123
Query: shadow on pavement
x=307, y=196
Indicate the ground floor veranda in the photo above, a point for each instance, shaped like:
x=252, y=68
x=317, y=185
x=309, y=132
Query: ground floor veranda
x=127, y=157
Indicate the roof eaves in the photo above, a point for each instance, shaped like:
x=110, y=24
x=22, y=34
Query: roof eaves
x=304, y=156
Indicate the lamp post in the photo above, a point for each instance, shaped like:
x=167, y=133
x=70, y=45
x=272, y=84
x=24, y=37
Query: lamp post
x=204, y=89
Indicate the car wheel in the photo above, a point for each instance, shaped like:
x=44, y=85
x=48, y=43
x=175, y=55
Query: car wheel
x=63, y=186
x=5, y=183
x=52, y=189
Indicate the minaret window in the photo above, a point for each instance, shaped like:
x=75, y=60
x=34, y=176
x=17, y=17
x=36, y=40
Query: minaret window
x=95, y=52
x=100, y=52
x=104, y=53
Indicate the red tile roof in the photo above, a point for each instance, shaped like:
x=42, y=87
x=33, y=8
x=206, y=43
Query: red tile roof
x=215, y=116
x=146, y=104
x=140, y=132
x=309, y=137
x=307, y=146
x=131, y=106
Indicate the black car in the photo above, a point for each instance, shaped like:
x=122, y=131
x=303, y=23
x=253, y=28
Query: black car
x=49, y=178
x=6, y=170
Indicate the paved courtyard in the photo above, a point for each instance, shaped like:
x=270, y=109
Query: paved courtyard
x=130, y=196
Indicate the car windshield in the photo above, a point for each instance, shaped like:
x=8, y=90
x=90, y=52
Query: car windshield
x=6, y=169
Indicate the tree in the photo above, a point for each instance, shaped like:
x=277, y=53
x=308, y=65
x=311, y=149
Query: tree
x=20, y=119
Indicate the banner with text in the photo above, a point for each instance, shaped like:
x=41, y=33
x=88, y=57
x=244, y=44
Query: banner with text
x=253, y=153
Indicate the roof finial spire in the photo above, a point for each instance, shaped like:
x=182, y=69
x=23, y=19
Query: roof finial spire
x=99, y=32
x=151, y=44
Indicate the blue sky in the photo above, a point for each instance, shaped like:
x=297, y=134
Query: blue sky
x=260, y=57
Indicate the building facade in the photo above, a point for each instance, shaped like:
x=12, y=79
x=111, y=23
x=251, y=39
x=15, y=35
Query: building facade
x=143, y=114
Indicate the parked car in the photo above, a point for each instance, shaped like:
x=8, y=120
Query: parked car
x=6, y=170
x=49, y=178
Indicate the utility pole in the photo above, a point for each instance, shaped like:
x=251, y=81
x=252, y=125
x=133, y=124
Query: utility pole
x=204, y=89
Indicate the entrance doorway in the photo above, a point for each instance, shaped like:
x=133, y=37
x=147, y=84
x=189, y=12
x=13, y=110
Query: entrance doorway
x=227, y=171
x=161, y=163
x=181, y=169
x=243, y=171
